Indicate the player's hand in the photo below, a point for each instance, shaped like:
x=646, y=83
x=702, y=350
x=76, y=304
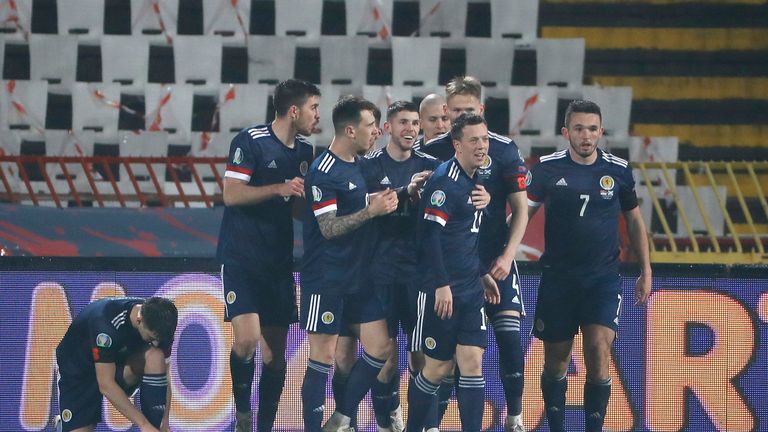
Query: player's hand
x=444, y=302
x=383, y=202
x=417, y=182
x=643, y=288
x=293, y=187
x=480, y=197
x=501, y=267
x=491, y=289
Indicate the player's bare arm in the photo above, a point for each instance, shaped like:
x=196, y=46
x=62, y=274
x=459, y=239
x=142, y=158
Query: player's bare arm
x=637, y=236
x=238, y=192
x=444, y=302
x=380, y=203
x=480, y=197
x=517, y=222
x=105, y=375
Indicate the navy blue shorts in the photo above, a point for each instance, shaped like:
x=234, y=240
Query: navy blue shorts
x=437, y=338
x=271, y=296
x=399, y=300
x=80, y=398
x=511, y=297
x=330, y=313
x=566, y=303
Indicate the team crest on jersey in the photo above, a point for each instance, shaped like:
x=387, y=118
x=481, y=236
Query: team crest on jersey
x=528, y=178
x=103, y=340
x=438, y=198
x=607, y=183
x=231, y=297
x=66, y=415
x=303, y=167
x=317, y=194
x=238, y=156
x=327, y=317
x=430, y=343
x=487, y=162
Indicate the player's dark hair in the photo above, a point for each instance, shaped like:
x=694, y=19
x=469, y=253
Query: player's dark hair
x=401, y=105
x=292, y=92
x=347, y=112
x=465, y=120
x=581, y=106
x=464, y=85
x=160, y=316
x=377, y=115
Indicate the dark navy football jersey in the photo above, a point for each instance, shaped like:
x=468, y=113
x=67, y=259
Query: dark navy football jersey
x=582, y=205
x=334, y=266
x=100, y=333
x=502, y=173
x=262, y=234
x=446, y=201
x=396, y=232
x=440, y=147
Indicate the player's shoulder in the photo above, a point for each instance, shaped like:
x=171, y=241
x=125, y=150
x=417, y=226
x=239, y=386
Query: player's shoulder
x=443, y=137
x=498, y=138
x=376, y=154
x=554, y=158
x=421, y=155
x=614, y=161
x=258, y=133
x=448, y=172
x=303, y=144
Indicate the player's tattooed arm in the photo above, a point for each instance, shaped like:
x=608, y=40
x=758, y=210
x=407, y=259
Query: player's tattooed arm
x=380, y=204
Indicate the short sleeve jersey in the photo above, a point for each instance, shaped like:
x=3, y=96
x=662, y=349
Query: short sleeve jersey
x=396, y=243
x=334, y=266
x=101, y=333
x=261, y=235
x=502, y=173
x=582, y=206
x=446, y=201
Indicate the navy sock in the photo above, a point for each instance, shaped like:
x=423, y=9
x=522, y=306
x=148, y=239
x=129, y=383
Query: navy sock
x=242, y=380
x=360, y=379
x=381, y=399
x=154, y=388
x=471, y=396
x=507, y=331
x=421, y=395
x=596, y=397
x=553, y=391
x=394, y=392
x=313, y=394
x=270, y=388
x=444, y=393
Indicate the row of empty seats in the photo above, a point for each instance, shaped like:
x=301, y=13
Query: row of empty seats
x=269, y=59
x=302, y=18
x=183, y=108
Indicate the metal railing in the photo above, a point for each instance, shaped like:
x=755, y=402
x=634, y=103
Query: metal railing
x=708, y=243
x=76, y=180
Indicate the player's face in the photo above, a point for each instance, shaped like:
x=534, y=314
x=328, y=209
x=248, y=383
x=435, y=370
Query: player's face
x=582, y=133
x=403, y=129
x=472, y=148
x=460, y=104
x=308, y=116
x=149, y=337
x=366, y=132
x=434, y=121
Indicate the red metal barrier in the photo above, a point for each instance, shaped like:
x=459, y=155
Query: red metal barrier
x=76, y=181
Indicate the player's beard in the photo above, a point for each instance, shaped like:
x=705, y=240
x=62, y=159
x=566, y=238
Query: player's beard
x=582, y=151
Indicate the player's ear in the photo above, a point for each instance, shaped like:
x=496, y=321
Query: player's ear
x=349, y=130
x=482, y=109
x=564, y=132
x=387, y=127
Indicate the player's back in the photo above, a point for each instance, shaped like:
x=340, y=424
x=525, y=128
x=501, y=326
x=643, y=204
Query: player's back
x=104, y=323
x=447, y=201
x=262, y=233
x=334, y=265
x=582, y=206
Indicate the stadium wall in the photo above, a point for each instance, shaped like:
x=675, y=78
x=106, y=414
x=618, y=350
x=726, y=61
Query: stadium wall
x=695, y=358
